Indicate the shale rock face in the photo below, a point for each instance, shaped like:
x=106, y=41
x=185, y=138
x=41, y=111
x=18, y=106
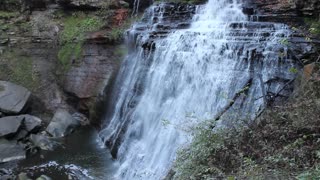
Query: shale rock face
x=140, y=4
x=89, y=4
x=166, y=18
x=13, y=98
x=15, y=5
x=89, y=78
x=308, y=7
x=286, y=7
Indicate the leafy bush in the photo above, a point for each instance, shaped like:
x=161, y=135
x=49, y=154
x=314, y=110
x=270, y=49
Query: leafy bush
x=314, y=26
x=283, y=143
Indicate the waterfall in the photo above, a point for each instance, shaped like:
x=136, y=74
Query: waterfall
x=222, y=66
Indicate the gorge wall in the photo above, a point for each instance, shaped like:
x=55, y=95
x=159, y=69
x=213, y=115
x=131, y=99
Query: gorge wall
x=68, y=54
x=35, y=55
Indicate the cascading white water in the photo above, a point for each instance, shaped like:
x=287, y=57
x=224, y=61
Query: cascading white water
x=197, y=72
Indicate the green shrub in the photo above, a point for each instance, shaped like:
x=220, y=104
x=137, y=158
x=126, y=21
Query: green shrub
x=313, y=174
x=314, y=25
x=7, y=14
x=293, y=70
x=283, y=143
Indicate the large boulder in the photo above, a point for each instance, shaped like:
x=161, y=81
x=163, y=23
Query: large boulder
x=10, y=125
x=62, y=124
x=31, y=123
x=11, y=151
x=21, y=125
x=13, y=98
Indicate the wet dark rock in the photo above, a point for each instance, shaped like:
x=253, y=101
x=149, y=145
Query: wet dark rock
x=23, y=176
x=143, y=4
x=25, y=5
x=11, y=151
x=42, y=141
x=21, y=135
x=13, y=98
x=44, y=177
x=308, y=7
x=84, y=121
x=4, y=171
x=62, y=124
x=167, y=17
x=6, y=174
x=87, y=81
x=10, y=125
x=89, y=4
x=290, y=12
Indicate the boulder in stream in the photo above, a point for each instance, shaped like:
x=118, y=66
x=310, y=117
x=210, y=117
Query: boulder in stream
x=62, y=124
x=42, y=141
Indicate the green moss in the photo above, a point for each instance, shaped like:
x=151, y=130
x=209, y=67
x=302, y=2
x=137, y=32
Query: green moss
x=19, y=69
x=73, y=36
x=7, y=14
x=293, y=70
x=314, y=25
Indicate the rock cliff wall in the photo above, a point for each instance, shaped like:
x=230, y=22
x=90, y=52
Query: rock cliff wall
x=42, y=49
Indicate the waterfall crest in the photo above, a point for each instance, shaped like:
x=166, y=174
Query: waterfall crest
x=223, y=66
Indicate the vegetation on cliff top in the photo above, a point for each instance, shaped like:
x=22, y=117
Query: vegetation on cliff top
x=314, y=26
x=73, y=36
x=284, y=143
x=19, y=69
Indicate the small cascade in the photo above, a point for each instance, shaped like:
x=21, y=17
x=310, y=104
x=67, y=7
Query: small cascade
x=136, y=5
x=188, y=64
